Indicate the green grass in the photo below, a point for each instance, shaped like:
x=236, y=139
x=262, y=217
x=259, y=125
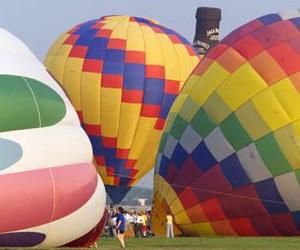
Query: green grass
x=200, y=243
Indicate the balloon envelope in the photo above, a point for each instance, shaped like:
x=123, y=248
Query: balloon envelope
x=122, y=75
x=228, y=162
x=48, y=184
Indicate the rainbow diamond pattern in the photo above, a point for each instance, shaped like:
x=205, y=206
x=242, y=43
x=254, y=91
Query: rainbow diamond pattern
x=229, y=157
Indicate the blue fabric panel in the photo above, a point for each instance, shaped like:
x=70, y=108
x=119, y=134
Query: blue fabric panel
x=134, y=76
x=154, y=91
x=203, y=158
x=97, y=48
x=270, y=196
x=234, y=172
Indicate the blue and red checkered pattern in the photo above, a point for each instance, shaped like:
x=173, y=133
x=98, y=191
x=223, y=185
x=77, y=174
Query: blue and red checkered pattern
x=122, y=74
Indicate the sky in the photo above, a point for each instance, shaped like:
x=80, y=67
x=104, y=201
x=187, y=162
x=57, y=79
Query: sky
x=39, y=22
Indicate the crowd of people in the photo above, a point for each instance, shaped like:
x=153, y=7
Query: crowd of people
x=137, y=223
x=123, y=224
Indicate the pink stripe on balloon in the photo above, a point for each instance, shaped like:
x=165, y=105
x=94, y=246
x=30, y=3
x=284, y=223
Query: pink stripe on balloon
x=33, y=198
x=82, y=184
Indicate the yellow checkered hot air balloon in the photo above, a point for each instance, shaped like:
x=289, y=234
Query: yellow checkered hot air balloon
x=122, y=75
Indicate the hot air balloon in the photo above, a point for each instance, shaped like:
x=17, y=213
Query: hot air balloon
x=122, y=75
x=229, y=157
x=47, y=179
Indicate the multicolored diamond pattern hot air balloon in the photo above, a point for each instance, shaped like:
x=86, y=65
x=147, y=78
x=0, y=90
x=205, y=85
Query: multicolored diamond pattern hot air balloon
x=122, y=75
x=229, y=158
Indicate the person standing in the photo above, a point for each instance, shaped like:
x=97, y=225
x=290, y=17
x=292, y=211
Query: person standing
x=140, y=221
x=149, y=230
x=134, y=216
x=120, y=227
x=131, y=225
x=144, y=226
x=170, y=230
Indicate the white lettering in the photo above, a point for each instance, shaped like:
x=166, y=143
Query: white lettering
x=212, y=31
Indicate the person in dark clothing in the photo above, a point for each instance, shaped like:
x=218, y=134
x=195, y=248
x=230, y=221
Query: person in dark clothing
x=120, y=227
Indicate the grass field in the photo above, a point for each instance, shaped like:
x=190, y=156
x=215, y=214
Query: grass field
x=255, y=243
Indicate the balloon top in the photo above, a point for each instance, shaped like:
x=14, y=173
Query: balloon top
x=208, y=13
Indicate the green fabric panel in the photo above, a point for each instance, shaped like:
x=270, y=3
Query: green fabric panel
x=297, y=174
x=202, y=123
x=235, y=133
x=18, y=107
x=178, y=127
x=51, y=106
x=163, y=141
x=272, y=155
x=169, y=122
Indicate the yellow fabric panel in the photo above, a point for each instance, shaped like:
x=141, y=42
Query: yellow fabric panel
x=169, y=195
x=296, y=126
x=209, y=82
x=158, y=217
x=156, y=181
x=72, y=80
x=289, y=143
x=182, y=218
x=53, y=50
x=146, y=160
x=58, y=66
x=109, y=180
x=172, y=64
x=153, y=49
x=129, y=117
x=251, y=121
x=115, y=18
x=288, y=96
x=159, y=183
x=187, y=64
x=216, y=108
x=169, y=123
x=175, y=205
x=177, y=104
x=135, y=39
x=110, y=106
x=243, y=84
x=270, y=109
x=198, y=229
x=188, y=109
x=172, y=201
x=101, y=170
x=111, y=22
x=90, y=97
x=145, y=126
x=164, y=188
x=190, y=84
x=120, y=30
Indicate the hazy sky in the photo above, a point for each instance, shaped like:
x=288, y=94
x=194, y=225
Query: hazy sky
x=39, y=22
